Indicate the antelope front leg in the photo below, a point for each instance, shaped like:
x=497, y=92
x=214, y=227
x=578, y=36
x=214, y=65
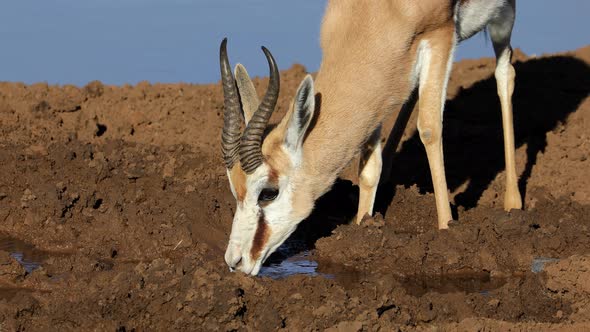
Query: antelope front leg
x=435, y=54
x=369, y=174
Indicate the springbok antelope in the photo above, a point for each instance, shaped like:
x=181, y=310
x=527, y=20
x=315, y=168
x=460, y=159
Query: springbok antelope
x=376, y=53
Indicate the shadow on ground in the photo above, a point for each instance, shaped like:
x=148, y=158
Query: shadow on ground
x=547, y=91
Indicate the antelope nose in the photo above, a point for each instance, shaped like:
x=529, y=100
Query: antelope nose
x=235, y=264
x=233, y=259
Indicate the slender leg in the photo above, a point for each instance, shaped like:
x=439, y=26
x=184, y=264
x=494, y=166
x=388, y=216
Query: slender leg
x=436, y=58
x=500, y=32
x=369, y=173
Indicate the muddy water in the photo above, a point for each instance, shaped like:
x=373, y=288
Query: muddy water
x=304, y=263
x=10, y=293
x=539, y=263
x=27, y=255
x=468, y=283
x=301, y=263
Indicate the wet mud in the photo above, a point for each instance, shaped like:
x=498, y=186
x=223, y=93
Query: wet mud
x=115, y=211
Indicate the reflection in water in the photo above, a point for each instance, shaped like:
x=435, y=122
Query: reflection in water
x=297, y=264
x=539, y=263
x=27, y=255
x=415, y=285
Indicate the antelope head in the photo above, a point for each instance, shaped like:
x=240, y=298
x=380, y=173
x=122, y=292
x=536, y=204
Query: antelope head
x=264, y=165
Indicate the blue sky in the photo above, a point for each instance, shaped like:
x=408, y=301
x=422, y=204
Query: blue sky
x=127, y=41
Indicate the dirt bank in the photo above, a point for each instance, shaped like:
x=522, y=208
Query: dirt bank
x=115, y=211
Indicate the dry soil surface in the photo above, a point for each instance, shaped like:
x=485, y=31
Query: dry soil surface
x=115, y=211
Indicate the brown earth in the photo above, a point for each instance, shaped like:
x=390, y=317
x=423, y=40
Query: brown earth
x=121, y=194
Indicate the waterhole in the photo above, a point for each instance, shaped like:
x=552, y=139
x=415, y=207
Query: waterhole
x=301, y=263
x=415, y=285
x=26, y=254
x=9, y=293
x=478, y=282
x=470, y=283
x=538, y=264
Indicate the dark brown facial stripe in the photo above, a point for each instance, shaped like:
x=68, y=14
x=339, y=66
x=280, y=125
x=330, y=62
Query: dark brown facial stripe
x=260, y=237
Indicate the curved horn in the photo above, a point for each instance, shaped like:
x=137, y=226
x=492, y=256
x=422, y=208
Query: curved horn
x=230, y=137
x=251, y=145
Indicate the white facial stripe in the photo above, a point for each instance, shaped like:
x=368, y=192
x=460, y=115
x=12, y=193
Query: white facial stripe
x=255, y=182
x=275, y=211
x=245, y=219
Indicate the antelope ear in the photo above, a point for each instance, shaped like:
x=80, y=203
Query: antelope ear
x=301, y=115
x=246, y=91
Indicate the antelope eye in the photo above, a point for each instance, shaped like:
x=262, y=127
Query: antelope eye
x=268, y=194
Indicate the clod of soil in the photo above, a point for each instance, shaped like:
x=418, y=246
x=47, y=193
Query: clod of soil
x=115, y=211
